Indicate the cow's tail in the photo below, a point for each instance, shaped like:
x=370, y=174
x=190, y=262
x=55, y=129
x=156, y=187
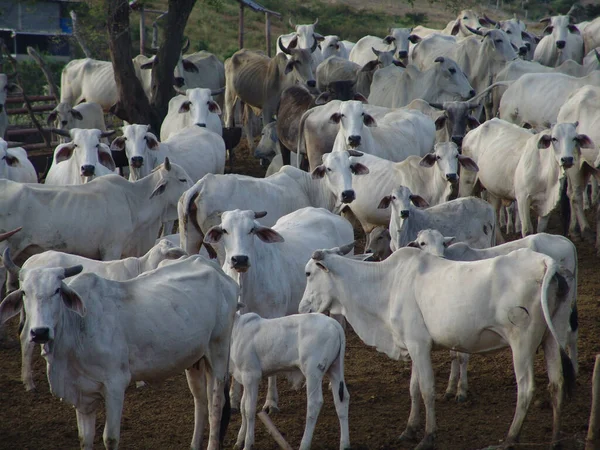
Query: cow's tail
x=552, y=272
x=565, y=206
x=301, y=142
x=187, y=213
x=338, y=363
x=225, y=413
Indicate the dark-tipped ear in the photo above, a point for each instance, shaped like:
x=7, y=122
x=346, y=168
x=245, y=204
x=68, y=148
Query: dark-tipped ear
x=360, y=98
x=105, y=157
x=189, y=66
x=159, y=189
x=64, y=152
x=213, y=235
x=185, y=106
x=428, y=160
x=72, y=300
x=118, y=144
x=455, y=28
x=51, y=117
x=268, y=235
x=289, y=67
x=472, y=122
x=259, y=214
x=414, y=38
x=359, y=169
x=413, y=244
x=148, y=65
x=11, y=160
x=322, y=266
x=573, y=29
x=448, y=241
x=369, y=121
x=584, y=141
x=335, y=118
x=151, y=141
x=468, y=163
x=323, y=98
x=440, y=122
x=545, y=141
x=385, y=202
x=418, y=201
x=76, y=114
x=214, y=108
x=318, y=172
x=370, y=66
x=388, y=40
x=354, y=153
x=11, y=305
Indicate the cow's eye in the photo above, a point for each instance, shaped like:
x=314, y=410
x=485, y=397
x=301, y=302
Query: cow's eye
x=252, y=230
x=438, y=157
x=224, y=231
x=328, y=169
x=307, y=274
x=57, y=291
x=499, y=41
x=183, y=180
x=422, y=244
x=452, y=71
x=393, y=197
x=508, y=32
x=554, y=139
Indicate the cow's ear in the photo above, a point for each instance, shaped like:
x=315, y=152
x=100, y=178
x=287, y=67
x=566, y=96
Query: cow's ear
x=64, y=152
x=418, y=201
x=11, y=305
x=189, y=66
x=213, y=235
x=385, y=202
x=151, y=141
x=468, y=163
x=322, y=266
x=335, y=118
x=472, y=122
x=545, y=141
x=359, y=169
x=213, y=107
x=118, y=144
x=369, y=121
x=51, y=117
x=185, y=106
x=428, y=160
x=455, y=28
x=72, y=300
x=588, y=170
x=289, y=67
x=440, y=122
x=360, y=98
x=160, y=187
x=414, y=38
x=148, y=65
x=584, y=141
x=449, y=240
x=413, y=244
x=318, y=172
x=370, y=66
x=76, y=114
x=324, y=97
x=12, y=160
x=105, y=157
x=175, y=253
x=268, y=235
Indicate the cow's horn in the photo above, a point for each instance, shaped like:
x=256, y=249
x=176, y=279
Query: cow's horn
x=545, y=19
x=597, y=55
x=493, y=22
x=345, y=249
x=474, y=31
x=61, y=132
x=167, y=163
x=259, y=214
x=5, y=236
x=292, y=24
x=186, y=46
x=318, y=255
x=218, y=91
x=436, y=105
x=73, y=270
x=9, y=264
x=316, y=22
x=283, y=48
x=107, y=133
x=180, y=91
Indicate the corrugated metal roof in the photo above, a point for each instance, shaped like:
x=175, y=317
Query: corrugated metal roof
x=257, y=7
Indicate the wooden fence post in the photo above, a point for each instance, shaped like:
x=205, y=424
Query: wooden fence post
x=592, y=441
x=241, y=27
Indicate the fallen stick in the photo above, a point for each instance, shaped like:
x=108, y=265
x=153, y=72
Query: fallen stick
x=273, y=431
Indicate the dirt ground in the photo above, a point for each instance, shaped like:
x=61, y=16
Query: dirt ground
x=161, y=415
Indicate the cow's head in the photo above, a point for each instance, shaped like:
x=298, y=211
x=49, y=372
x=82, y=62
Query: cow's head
x=141, y=148
x=378, y=243
x=64, y=116
x=447, y=158
x=401, y=200
x=497, y=45
x=170, y=182
x=432, y=241
x=331, y=46
x=322, y=291
x=299, y=63
x=46, y=298
x=515, y=30
x=457, y=118
x=559, y=27
x=267, y=147
x=86, y=150
x=5, y=87
x=306, y=35
x=353, y=120
x=400, y=38
x=199, y=104
x=160, y=252
x=452, y=83
x=238, y=232
x=468, y=18
x=337, y=169
x=565, y=143
x=7, y=159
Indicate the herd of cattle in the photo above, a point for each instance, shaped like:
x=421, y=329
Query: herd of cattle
x=401, y=135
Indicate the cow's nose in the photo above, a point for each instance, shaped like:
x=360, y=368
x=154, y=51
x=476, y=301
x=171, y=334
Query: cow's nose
x=239, y=261
x=528, y=46
x=202, y=125
x=179, y=81
x=560, y=44
x=402, y=54
x=348, y=196
x=566, y=161
x=88, y=170
x=472, y=93
x=457, y=140
x=40, y=335
x=354, y=141
x=404, y=213
x=523, y=50
x=452, y=177
x=311, y=83
x=64, y=122
x=137, y=161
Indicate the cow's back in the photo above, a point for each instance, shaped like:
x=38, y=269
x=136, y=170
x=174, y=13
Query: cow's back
x=247, y=70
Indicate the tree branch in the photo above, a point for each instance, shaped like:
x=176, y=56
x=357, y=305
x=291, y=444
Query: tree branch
x=38, y=59
x=78, y=36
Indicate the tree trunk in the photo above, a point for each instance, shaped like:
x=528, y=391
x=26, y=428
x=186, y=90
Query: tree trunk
x=133, y=105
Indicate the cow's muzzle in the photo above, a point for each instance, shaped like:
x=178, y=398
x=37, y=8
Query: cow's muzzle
x=40, y=335
x=240, y=263
x=566, y=162
x=179, y=82
x=137, y=162
x=402, y=54
x=348, y=196
x=404, y=214
x=452, y=177
x=311, y=83
x=523, y=50
x=354, y=141
x=560, y=44
x=457, y=140
x=88, y=170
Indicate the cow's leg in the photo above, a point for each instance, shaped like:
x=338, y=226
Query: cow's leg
x=196, y=379
x=510, y=218
x=463, y=384
x=272, y=397
x=86, y=426
x=453, y=379
x=249, y=401
x=314, y=402
x=524, y=215
x=594, y=199
x=111, y=253
x=235, y=394
x=230, y=98
x=503, y=218
x=523, y=362
x=543, y=223
x=341, y=399
x=216, y=379
x=167, y=228
x=555, y=385
x=113, y=401
x=239, y=444
x=572, y=338
x=414, y=418
x=422, y=358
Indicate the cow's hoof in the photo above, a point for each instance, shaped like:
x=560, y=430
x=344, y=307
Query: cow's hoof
x=235, y=409
x=239, y=445
x=460, y=398
x=449, y=395
x=270, y=409
x=30, y=388
x=426, y=443
x=587, y=235
x=409, y=435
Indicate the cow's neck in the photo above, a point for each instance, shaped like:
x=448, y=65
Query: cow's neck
x=147, y=211
x=410, y=227
x=318, y=194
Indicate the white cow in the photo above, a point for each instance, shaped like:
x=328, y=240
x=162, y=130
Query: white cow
x=82, y=159
x=397, y=41
x=457, y=27
x=591, y=35
x=333, y=46
x=5, y=88
x=434, y=177
x=516, y=31
x=515, y=164
x=562, y=41
x=282, y=193
x=197, y=149
x=306, y=37
x=470, y=219
x=84, y=116
x=378, y=243
x=14, y=164
x=427, y=302
x=270, y=276
x=287, y=345
x=98, y=335
x=118, y=270
x=192, y=107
